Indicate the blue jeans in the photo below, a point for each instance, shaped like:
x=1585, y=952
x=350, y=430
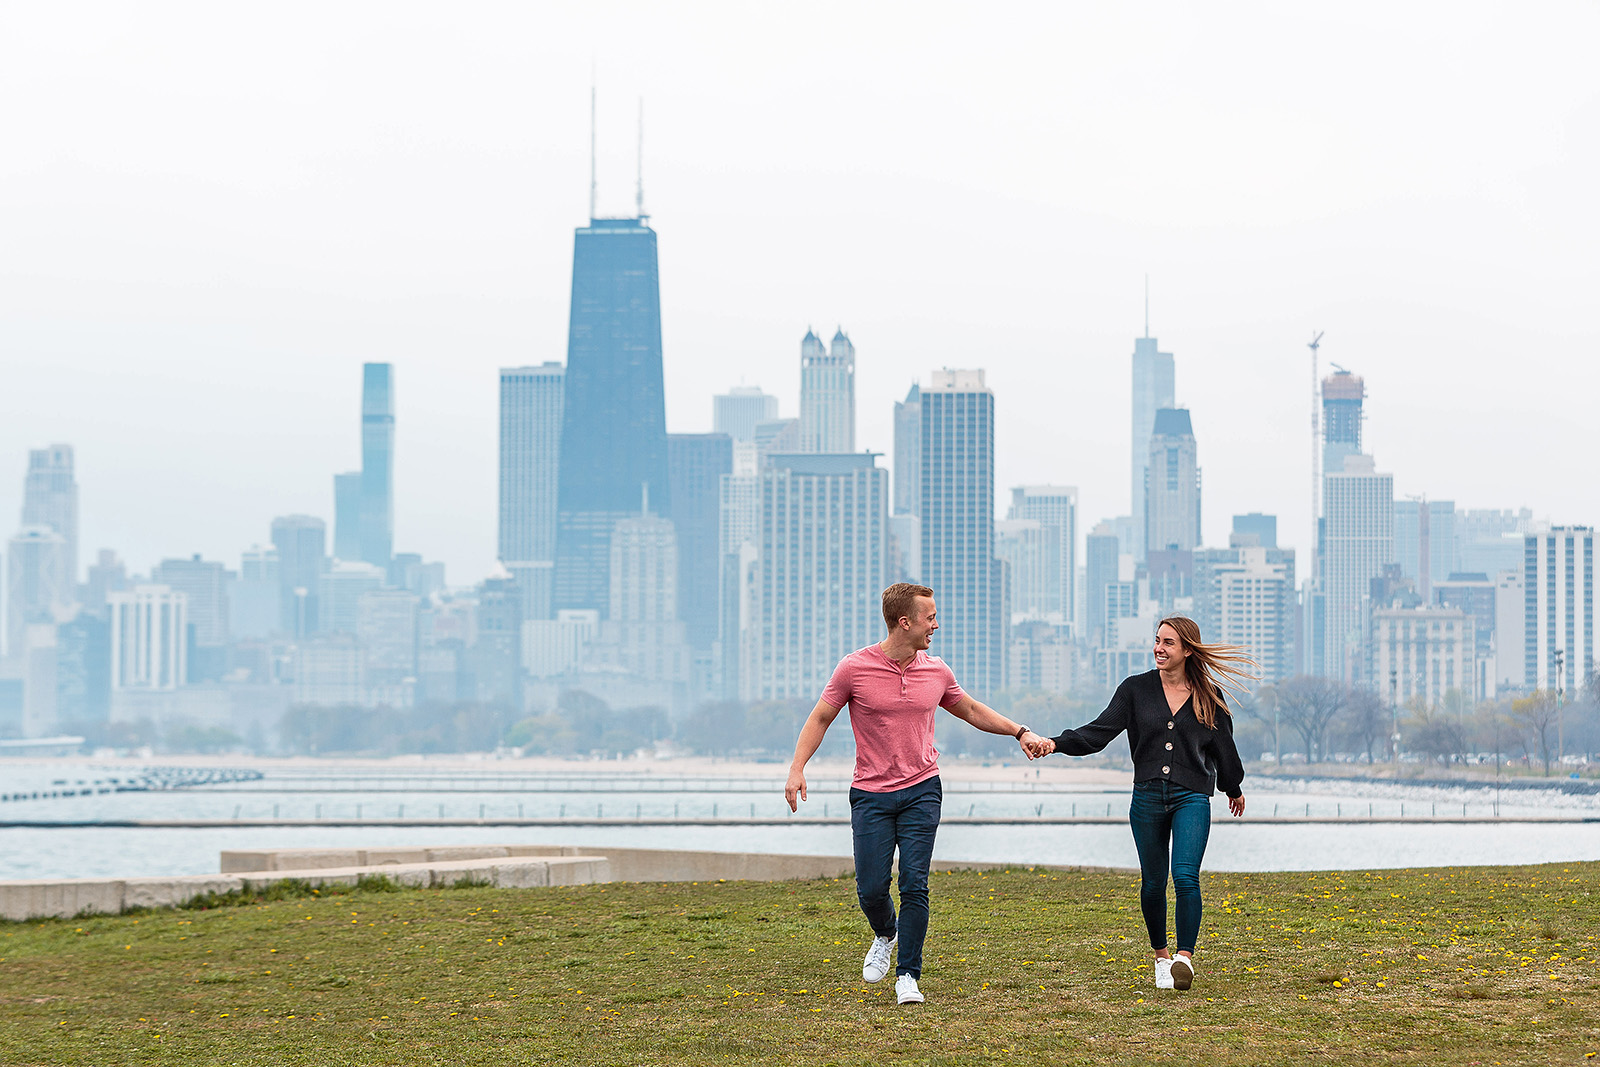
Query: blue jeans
x=905, y=819
x=1163, y=814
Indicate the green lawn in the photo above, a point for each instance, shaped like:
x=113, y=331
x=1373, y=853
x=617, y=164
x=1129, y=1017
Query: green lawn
x=1479, y=965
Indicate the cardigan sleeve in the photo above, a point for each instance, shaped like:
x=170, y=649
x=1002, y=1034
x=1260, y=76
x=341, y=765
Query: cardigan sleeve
x=1094, y=736
x=1230, y=769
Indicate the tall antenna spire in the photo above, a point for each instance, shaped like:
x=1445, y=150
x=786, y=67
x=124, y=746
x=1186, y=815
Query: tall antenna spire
x=592, y=182
x=1147, y=306
x=639, y=198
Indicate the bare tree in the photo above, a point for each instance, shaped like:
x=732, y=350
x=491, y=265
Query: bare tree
x=1309, y=706
x=1536, y=716
x=1434, y=732
x=1368, y=721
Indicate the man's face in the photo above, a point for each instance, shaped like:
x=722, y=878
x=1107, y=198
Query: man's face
x=924, y=619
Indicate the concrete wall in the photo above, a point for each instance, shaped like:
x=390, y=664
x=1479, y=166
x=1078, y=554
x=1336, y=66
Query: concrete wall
x=626, y=864
x=507, y=866
x=65, y=899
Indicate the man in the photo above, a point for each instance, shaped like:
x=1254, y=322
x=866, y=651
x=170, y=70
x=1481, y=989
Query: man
x=892, y=689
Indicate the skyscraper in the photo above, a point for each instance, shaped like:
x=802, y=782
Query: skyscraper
x=1100, y=571
x=816, y=571
x=531, y=402
x=1255, y=528
x=1246, y=596
x=1053, y=505
x=1424, y=542
x=1358, y=539
x=377, y=463
x=642, y=634
x=737, y=411
x=204, y=584
x=50, y=498
x=1172, y=484
x=908, y=453
x=1342, y=394
x=39, y=588
x=301, y=542
x=696, y=465
x=957, y=498
x=1154, y=388
x=1423, y=653
x=386, y=626
x=1031, y=550
x=827, y=394
x=148, y=650
x=347, y=516
x=614, y=422
x=1558, y=590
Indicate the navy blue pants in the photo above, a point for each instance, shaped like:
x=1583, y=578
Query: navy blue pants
x=880, y=823
x=1167, y=817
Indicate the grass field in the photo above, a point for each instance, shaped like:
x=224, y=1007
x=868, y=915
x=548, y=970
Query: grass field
x=1459, y=966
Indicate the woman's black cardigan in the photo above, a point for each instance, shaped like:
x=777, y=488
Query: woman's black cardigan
x=1176, y=748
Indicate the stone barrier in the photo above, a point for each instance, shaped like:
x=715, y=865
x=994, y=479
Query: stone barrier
x=69, y=898
x=506, y=866
x=626, y=864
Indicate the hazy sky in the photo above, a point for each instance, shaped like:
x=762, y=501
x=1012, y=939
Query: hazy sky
x=211, y=215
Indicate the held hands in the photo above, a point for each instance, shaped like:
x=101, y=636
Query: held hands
x=795, y=786
x=1036, y=746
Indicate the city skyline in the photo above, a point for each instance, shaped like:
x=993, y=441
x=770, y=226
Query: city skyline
x=1344, y=218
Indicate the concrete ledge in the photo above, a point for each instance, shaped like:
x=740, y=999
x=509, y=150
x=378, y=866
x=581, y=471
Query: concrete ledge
x=64, y=899
x=170, y=892
x=52, y=899
x=505, y=866
x=625, y=864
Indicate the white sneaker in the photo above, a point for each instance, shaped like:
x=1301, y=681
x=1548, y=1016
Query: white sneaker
x=1182, y=972
x=1163, y=973
x=876, y=965
x=906, y=991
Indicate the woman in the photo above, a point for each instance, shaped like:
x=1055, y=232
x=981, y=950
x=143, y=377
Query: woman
x=1180, y=733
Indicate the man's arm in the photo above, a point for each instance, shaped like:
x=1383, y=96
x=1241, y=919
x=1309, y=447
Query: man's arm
x=990, y=721
x=810, y=740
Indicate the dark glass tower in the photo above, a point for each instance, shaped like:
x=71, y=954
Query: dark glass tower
x=699, y=460
x=614, y=418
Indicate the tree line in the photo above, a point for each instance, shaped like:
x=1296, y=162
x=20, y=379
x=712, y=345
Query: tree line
x=1323, y=720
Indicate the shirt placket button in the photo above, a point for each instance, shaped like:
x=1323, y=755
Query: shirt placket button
x=1169, y=746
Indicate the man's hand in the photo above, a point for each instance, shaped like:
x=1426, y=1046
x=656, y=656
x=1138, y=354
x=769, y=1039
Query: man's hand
x=795, y=786
x=1034, y=745
x=1236, y=805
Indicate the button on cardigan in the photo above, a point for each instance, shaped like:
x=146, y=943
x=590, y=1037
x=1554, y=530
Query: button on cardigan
x=1176, y=748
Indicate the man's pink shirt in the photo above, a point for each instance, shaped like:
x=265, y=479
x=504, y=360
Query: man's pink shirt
x=891, y=712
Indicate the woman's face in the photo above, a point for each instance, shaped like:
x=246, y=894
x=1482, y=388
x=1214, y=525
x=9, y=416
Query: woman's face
x=1170, y=650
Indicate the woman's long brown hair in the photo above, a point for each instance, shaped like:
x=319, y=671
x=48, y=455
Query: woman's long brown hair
x=1210, y=667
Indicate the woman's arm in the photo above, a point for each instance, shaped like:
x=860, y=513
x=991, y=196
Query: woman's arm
x=1230, y=769
x=1096, y=735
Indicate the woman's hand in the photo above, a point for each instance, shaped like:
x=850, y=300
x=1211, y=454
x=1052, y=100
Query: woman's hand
x=1037, y=746
x=1236, y=805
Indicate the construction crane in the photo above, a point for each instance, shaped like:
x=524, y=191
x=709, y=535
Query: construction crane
x=1316, y=455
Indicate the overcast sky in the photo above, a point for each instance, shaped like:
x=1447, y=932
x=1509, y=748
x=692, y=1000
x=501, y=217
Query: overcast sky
x=211, y=215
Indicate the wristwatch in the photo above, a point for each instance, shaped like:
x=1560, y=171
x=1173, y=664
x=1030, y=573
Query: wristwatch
x=1020, y=731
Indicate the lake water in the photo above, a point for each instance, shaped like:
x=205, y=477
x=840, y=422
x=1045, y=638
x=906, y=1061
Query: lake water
x=315, y=795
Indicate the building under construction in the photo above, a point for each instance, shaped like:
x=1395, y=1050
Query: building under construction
x=1342, y=394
